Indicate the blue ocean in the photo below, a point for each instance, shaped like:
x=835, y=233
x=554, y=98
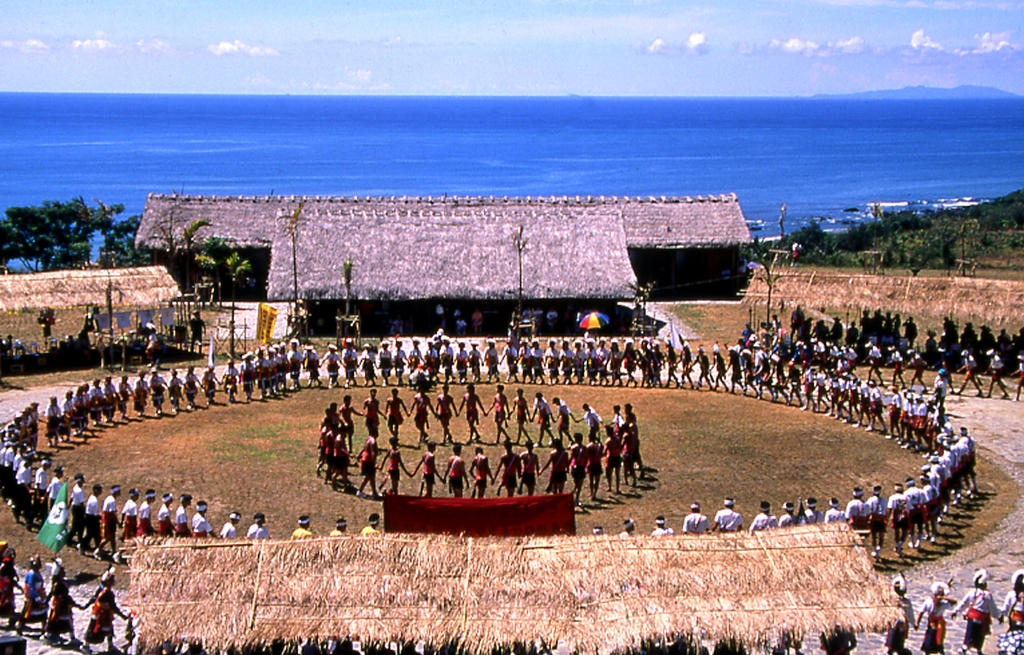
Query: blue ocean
x=822, y=157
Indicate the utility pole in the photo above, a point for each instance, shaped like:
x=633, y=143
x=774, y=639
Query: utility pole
x=519, y=240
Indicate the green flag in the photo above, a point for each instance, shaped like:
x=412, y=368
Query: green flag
x=54, y=533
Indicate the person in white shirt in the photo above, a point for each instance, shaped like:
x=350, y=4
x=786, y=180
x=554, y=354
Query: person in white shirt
x=108, y=524
x=92, y=521
x=53, y=488
x=130, y=516
x=229, y=529
x=858, y=515
x=164, y=524
x=764, y=520
x=23, y=488
x=39, y=486
x=834, y=514
x=979, y=608
x=145, y=528
x=201, y=528
x=727, y=519
x=258, y=530
x=181, y=524
x=628, y=527
x=695, y=522
x=788, y=518
x=811, y=514
x=660, y=530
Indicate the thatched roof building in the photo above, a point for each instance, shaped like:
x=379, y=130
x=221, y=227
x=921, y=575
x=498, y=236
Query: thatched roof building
x=970, y=298
x=454, y=247
x=591, y=593
x=146, y=286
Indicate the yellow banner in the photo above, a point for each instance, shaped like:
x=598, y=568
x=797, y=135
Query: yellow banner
x=265, y=320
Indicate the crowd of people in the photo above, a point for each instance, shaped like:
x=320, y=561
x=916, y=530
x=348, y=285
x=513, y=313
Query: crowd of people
x=804, y=366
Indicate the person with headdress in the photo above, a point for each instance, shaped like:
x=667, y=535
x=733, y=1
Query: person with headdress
x=258, y=529
x=1012, y=643
x=340, y=527
x=303, y=531
x=201, y=527
x=130, y=516
x=727, y=519
x=979, y=606
x=109, y=523
x=896, y=638
x=695, y=522
x=34, y=591
x=935, y=609
x=764, y=520
x=181, y=524
x=372, y=524
x=628, y=528
x=660, y=529
x=230, y=528
x=104, y=608
x=838, y=641
x=165, y=526
x=788, y=518
x=59, y=620
x=8, y=581
x=834, y=514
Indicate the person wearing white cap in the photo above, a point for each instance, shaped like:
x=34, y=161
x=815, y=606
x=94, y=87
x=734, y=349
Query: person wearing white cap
x=727, y=519
x=201, y=527
x=695, y=522
x=858, y=514
x=834, y=514
x=332, y=360
x=980, y=607
x=811, y=515
x=303, y=531
x=230, y=529
x=628, y=527
x=294, y=358
x=896, y=638
x=258, y=529
x=164, y=526
x=660, y=530
x=108, y=524
x=311, y=364
x=935, y=609
x=764, y=520
x=181, y=524
x=788, y=518
x=898, y=519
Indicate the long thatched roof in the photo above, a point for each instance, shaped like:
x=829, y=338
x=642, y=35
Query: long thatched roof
x=414, y=248
x=991, y=301
x=591, y=593
x=146, y=286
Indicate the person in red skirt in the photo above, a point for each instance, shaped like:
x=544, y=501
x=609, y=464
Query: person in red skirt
x=130, y=516
x=103, y=608
x=145, y=528
x=59, y=620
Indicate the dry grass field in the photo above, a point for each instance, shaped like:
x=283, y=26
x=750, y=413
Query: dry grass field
x=701, y=447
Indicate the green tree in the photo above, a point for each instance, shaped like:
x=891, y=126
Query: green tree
x=212, y=256
x=56, y=234
x=189, y=236
x=239, y=269
x=119, y=243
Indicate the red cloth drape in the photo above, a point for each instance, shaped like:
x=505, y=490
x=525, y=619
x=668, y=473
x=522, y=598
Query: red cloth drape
x=481, y=517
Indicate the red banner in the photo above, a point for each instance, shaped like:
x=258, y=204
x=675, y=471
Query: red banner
x=481, y=517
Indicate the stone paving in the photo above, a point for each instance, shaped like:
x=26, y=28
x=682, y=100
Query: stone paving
x=996, y=424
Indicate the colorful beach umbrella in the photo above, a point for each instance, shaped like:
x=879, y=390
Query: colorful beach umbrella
x=593, y=321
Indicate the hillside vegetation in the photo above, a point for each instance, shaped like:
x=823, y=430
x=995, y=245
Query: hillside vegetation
x=990, y=235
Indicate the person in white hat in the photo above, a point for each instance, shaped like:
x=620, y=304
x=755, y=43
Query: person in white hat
x=294, y=358
x=628, y=528
x=230, y=529
x=201, y=527
x=659, y=528
x=695, y=522
x=764, y=520
x=935, y=609
x=834, y=514
x=979, y=608
x=896, y=638
x=727, y=519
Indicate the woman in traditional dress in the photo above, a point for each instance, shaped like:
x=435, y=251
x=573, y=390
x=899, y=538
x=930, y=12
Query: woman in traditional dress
x=104, y=607
x=935, y=609
x=34, y=609
x=1012, y=643
x=59, y=620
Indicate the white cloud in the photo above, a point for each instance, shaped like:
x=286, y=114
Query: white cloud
x=795, y=46
x=26, y=46
x=852, y=46
x=921, y=41
x=237, y=47
x=362, y=75
x=658, y=45
x=391, y=41
x=994, y=42
x=92, y=45
x=154, y=46
x=697, y=43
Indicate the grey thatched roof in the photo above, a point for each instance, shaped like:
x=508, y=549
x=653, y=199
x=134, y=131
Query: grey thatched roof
x=665, y=222
x=145, y=286
x=592, y=593
x=452, y=251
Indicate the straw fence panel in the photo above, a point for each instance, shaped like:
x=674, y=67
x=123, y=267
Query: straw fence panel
x=145, y=286
x=592, y=593
x=997, y=302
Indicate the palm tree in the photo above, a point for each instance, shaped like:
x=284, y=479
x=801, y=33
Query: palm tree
x=239, y=270
x=188, y=235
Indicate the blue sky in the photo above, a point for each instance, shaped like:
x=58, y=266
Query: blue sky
x=515, y=47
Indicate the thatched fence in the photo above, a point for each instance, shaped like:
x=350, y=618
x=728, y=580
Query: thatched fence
x=143, y=286
x=591, y=593
x=997, y=302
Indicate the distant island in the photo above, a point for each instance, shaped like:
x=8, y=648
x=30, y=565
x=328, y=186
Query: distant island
x=965, y=92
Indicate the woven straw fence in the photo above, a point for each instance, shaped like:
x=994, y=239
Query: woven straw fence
x=591, y=593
